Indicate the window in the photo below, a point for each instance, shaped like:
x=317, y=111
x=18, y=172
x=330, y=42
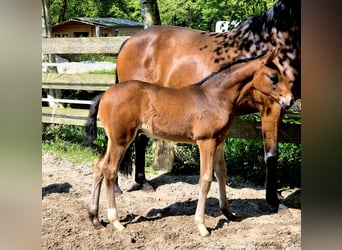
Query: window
x=62, y=35
x=81, y=34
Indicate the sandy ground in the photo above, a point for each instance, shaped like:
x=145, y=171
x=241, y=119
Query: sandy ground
x=163, y=219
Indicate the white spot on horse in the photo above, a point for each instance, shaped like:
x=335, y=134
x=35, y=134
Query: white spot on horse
x=285, y=101
x=113, y=218
x=112, y=214
x=268, y=155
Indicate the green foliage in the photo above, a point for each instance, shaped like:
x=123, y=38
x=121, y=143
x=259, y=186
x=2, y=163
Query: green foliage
x=68, y=141
x=186, y=159
x=93, y=8
x=203, y=14
x=197, y=14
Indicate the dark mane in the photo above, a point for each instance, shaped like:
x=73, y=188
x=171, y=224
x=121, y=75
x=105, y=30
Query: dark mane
x=283, y=16
x=227, y=66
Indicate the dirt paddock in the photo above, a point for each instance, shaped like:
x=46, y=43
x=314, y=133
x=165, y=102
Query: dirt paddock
x=163, y=219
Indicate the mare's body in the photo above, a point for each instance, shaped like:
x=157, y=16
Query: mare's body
x=176, y=57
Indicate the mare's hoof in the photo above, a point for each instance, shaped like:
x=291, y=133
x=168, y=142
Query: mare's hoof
x=232, y=217
x=282, y=207
x=147, y=187
x=274, y=203
x=117, y=189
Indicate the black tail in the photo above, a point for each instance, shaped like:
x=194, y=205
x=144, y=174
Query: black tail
x=91, y=126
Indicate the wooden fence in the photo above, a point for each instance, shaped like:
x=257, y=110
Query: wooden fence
x=100, y=82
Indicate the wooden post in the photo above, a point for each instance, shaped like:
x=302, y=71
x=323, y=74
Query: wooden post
x=97, y=31
x=163, y=155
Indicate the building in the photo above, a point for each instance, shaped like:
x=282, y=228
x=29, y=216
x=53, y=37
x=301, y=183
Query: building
x=96, y=27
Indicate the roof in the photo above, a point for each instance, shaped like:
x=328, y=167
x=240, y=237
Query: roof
x=103, y=21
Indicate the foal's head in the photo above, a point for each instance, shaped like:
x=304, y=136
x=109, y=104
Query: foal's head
x=269, y=81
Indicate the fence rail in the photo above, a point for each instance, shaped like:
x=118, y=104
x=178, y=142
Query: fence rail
x=100, y=82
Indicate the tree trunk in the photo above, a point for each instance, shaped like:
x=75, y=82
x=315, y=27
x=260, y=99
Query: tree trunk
x=150, y=12
x=61, y=17
x=46, y=33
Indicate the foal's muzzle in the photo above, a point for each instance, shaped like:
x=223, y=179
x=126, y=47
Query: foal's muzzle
x=286, y=101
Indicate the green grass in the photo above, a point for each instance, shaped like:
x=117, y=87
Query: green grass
x=103, y=72
x=66, y=141
x=73, y=152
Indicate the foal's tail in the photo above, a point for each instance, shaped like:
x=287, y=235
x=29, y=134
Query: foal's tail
x=91, y=126
x=91, y=133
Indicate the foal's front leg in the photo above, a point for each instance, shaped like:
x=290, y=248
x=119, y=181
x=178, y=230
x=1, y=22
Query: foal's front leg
x=207, y=150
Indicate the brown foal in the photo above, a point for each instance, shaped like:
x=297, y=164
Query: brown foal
x=201, y=114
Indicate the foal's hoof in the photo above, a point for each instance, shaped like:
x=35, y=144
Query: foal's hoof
x=95, y=221
x=230, y=216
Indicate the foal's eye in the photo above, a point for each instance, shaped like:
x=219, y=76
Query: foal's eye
x=274, y=78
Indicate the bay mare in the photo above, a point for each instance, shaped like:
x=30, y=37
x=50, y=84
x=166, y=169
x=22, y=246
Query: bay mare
x=201, y=113
x=176, y=57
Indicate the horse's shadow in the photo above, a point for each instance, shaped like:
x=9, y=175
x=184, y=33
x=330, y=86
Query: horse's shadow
x=56, y=188
x=167, y=178
x=244, y=208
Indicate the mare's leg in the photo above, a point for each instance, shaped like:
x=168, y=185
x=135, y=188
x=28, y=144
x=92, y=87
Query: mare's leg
x=207, y=150
x=95, y=196
x=117, y=188
x=220, y=170
x=271, y=118
x=140, y=150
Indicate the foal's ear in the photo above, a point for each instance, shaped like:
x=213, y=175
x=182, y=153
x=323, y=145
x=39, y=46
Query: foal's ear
x=272, y=55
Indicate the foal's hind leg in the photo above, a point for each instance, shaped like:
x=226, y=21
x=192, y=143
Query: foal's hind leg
x=220, y=171
x=95, y=196
x=112, y=160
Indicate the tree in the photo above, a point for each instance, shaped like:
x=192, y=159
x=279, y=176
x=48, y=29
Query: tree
x=61, y=10
x=61, y=17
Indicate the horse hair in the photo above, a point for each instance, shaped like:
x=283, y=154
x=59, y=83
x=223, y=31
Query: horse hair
x=90, y=126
